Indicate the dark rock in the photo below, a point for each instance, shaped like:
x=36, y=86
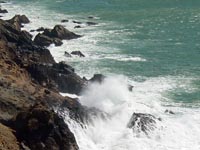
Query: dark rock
x=60, y=75
x=40, y=129
x=97, y=78
x=55, y=35
x=67, y=54
x=3, y=11
x=2, y=2
x=91, y=23
x=130, y=87
x=80, y=113
x=18, y=20
x=32, y=30
x=40, y=29
x=64, y=20
x=77, y=22
x=91, y=17
x=43, y=40
x=169, y=112
x=47, y=91
x=140, y=122
x=77, y=27
x=77, y=53
x=62, y=33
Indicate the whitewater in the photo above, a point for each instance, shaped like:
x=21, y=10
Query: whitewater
x=152, y=95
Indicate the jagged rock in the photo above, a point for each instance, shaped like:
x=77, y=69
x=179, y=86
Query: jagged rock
x=97, y=78
x=40, y=128
x=66, y=54
x=61, y=75
x=18, y=20
x=55, y=35
x=91, y=23
x=140, y=122
x=44, y=40
x=64, y=20
x=3, y=11
x=62, y=33
x=7, y=139
x=77, y=53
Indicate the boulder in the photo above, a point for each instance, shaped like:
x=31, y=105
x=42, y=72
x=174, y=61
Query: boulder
x=141, y=122
x=169, y=112
x=3, y=11
x=18, y=20
x=39, y=128
x=43, y=40
x=77, y=53
x=60, y=32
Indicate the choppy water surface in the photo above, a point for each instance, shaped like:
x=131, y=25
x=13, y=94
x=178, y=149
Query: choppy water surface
x=152, y=44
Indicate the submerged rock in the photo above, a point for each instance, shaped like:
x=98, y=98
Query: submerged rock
x=3, y=11
x=91, y=23
x=77, y=22
x=140, y=122
x=76, y=27
x=78, y=53
x=169, y=112
x=64, y=20
x=66, y=54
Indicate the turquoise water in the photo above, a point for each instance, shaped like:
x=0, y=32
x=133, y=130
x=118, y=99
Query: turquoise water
x=153, y=44
x=164, y=33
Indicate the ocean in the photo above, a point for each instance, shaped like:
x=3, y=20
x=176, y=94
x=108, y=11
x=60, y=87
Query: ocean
x=151, y=44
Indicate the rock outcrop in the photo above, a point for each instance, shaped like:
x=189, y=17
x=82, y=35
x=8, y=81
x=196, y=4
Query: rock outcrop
x=54, y=36
x=18, y=20
x=3, y=11
x=39, y=128
x=78, y=53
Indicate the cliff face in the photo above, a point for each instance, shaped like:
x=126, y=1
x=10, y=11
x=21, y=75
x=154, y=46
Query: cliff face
x=29, y=83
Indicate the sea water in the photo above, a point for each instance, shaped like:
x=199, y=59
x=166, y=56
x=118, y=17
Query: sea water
x=151, y=44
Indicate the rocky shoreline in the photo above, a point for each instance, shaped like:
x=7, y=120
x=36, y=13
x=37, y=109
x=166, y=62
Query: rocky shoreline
x=30, y=82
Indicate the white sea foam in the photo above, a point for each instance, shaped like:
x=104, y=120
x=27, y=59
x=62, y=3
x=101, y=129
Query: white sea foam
x=175, y=132
x=179, y=131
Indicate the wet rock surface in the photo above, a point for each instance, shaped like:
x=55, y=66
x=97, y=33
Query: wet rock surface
x=141, y=122
x=39, y=128
x=54, y=36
